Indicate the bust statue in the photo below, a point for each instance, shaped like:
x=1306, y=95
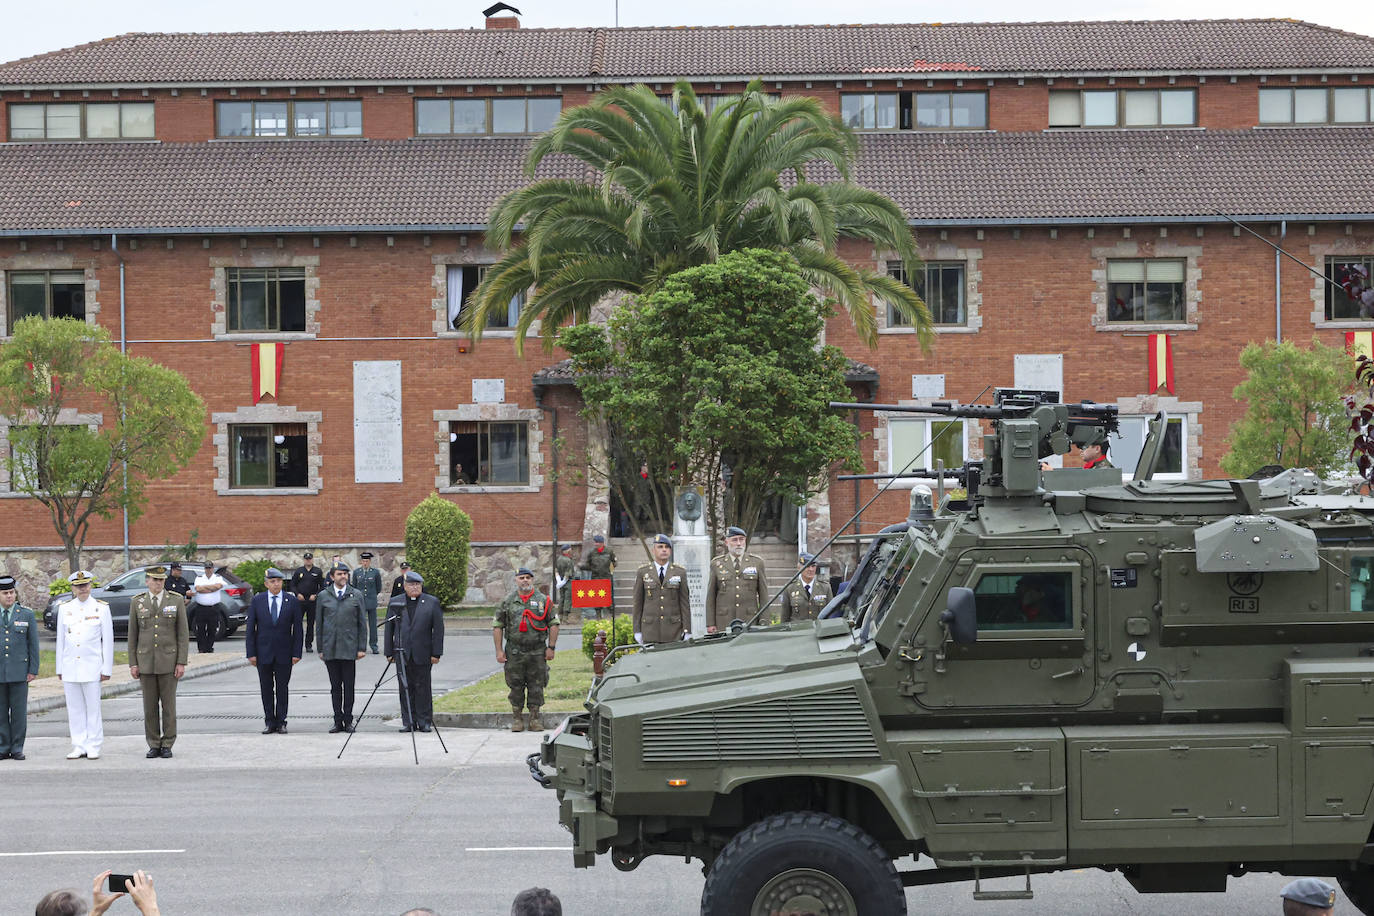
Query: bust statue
x=688, y=506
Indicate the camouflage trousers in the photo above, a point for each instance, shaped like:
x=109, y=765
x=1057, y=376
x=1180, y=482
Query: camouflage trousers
x=526, y=675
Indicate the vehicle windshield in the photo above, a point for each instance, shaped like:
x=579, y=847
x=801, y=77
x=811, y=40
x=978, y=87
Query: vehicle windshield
x=880, y=578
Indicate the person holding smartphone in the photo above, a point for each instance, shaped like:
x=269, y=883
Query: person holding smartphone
x=105, y=890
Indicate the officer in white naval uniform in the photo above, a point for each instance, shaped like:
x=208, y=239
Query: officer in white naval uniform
x=85, y=657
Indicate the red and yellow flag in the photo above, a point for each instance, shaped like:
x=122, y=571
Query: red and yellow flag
x=266, y=369
x=1360, y=343
x=591, y=592
x=1161, y=358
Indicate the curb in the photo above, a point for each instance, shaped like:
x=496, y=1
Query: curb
x=492, y=720
x=47, y=704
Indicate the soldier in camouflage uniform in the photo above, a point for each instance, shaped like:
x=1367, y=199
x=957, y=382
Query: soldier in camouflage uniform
x=525, y=633
x=808, y=595
x=600, y=564
x=563, y=572
x=737, y=587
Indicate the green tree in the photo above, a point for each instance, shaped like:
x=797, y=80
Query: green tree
x=1295, y=412
x=152, y=424
x=679, y=187
x=720, y=362
x=438, y=543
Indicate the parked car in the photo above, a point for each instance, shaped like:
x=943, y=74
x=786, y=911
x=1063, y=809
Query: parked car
x=120, y=592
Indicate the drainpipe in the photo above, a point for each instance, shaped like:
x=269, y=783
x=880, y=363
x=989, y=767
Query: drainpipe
x=1278, y=284
x=123, y=346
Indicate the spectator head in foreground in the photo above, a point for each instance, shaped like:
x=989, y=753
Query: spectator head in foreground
x=536, y=901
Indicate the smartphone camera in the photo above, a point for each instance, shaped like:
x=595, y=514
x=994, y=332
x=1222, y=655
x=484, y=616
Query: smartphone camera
x=119, y=884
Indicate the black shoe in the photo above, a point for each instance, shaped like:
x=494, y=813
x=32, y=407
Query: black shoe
x=405, y=728
x=166, y=753
x=281, y=729
x=350, y=728
x=5, y=756
x=269, y=730
x=425, y=728
x=309, y=648
x=374, y=650
x=153, y=752
x=336, y=729
x=17, y=755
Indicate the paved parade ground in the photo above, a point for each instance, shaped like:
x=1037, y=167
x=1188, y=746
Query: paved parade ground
x=277, y=825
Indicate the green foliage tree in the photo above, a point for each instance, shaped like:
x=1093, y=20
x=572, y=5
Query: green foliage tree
x=152, y=423
x=721, y=363
x=679, y=186
x=438, y=544
x=1295, y=412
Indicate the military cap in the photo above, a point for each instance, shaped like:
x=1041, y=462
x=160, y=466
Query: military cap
x=209, y=564
x=663, y=539
x=273, y=573
x=413, y=576
x=174, y=565
x=565, y=548
x=1310, y=892
x=155, y=572
x=405, y=565
x=365, y=555
x=734, y=531
x=6, y=582
x=308, y=555
x=524, y=571
x=807, y=559
x=339, y=566
x=80, y=577
x=598, y=539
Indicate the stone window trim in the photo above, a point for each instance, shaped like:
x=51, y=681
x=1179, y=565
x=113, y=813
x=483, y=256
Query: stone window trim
x=265, y=414
x=1148, y=405
x=973, y=438
x=1320, y=251
x=68, y=416
x=219, y=288
x=467, y=257
x=973, y=292
x=24, y=262
x=488, y=413
x=1128, y=249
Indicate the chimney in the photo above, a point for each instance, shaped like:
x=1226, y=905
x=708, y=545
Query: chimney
x=497, y=21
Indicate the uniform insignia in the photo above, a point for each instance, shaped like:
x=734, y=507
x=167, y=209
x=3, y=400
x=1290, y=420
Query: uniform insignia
x=648, y=578
x=675, y=580
x=21, y=624
x=751, y=571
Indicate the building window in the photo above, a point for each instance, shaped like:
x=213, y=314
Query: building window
x=281, y=118
x=47, y=294
x=1340, y=270
x=1123, y=108
x=1145, y=290
x=462, y=280
x=1316, y=105
x=941, y=285
x=269, y=455
x=921, y=110
x=485, y=454
x=82, y=121
x=907, y=440
x=266, y=299
x=1123, y=449
x=460, y=117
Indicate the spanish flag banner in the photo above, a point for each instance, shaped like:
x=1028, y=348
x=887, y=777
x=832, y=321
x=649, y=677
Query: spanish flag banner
x=266, y=369
x=591, y=592
x=1360, y=343
x=1161, y=363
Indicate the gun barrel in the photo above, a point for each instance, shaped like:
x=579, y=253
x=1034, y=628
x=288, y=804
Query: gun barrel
x=918, y=474
x=972, y=411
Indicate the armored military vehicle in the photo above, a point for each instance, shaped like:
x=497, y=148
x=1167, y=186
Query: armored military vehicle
x=1173, y=680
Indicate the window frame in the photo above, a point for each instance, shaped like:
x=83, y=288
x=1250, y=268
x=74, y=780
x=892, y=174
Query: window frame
x=1329, y=119
x=11, y=311
x=233, y=299
x=451, y=322
x=897, y=270
x=1120, y=108
x=488, y=118
x=1180, y=421
x=484, y=433
x=928, y=423
x=1145, y=283
x=290, y=129
x=1074, y=627
x=236, y=430
x=1331, y=262
x=82, y=129
x=907, y=105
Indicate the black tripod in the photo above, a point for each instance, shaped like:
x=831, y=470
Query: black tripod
x=398, y=659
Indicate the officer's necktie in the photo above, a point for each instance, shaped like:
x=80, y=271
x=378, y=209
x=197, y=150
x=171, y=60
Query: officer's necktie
x=6, y=613
x=274, y=608
x=660, y=575
x=808, y=591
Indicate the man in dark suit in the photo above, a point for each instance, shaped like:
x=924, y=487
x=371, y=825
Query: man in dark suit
x=274, y=639
x=415, y=638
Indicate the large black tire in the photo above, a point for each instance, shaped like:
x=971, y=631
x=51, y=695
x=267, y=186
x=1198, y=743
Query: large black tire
x=803, y=862
x=1359, y=887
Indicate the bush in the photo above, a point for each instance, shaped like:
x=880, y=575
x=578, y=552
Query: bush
x=438, y=539
x=60, y=587
x=624, y=633
x=252, y=572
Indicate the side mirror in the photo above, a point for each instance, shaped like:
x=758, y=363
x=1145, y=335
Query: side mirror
x=116, y=587
x=961, y=616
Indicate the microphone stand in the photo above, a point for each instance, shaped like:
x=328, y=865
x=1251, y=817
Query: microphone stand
x=397, y=659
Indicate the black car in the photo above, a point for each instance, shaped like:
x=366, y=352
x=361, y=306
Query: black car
x=233, y=607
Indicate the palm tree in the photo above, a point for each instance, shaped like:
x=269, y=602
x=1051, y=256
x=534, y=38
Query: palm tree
x=675, y=186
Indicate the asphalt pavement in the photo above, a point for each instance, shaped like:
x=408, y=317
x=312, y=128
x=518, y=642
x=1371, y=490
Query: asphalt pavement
x=243, y=824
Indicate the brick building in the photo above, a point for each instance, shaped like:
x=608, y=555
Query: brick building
x=328, y=191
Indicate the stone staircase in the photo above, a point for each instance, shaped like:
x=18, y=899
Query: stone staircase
x=779, y=560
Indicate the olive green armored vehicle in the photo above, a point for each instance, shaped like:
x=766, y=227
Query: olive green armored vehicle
x=1173, y=680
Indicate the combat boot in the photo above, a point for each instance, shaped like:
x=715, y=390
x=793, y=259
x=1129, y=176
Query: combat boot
x=517, y=721
x=535, y=724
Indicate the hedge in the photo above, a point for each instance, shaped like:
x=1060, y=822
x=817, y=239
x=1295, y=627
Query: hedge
x=438, y=544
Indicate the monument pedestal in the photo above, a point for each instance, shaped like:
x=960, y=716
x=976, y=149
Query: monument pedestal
x=693, y=553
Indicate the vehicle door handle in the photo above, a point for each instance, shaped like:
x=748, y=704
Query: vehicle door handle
x=1072, y=672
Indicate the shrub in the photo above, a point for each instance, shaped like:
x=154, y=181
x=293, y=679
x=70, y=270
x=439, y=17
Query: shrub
x=438, y=538
x=60, y=587
x=624, y=633
x=252, y=572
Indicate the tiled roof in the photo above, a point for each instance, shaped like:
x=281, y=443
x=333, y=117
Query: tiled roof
x=511, y=55
x=988, y=178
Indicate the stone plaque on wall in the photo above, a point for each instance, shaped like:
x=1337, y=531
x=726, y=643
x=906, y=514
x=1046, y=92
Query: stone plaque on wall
x=1042, y=371
x=377, y=421
x=488, y=391
x=927, y=386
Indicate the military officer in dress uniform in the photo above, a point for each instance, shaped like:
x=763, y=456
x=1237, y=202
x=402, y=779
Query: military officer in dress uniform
x=737, y=587
x=368, y=582
x=159, y=640
x=525, y=632
x=600, y=564
x=662, y=602
x=85, y=657
x=18, y=666
x=808, y=595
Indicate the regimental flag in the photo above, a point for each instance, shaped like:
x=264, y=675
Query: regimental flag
x=591, y=592
x=1360, y=343
x=1161, y=358
x=266, y=369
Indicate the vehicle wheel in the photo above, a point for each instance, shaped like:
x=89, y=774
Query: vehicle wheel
x=802, y=862
x=222, y=626
x=1358, y=885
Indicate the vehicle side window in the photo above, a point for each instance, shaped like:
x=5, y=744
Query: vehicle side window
x=1024, y=601
x=130, y=580
x=1361, y=588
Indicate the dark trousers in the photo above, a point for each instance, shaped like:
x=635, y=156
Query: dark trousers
x=273, y=680
x=417, y=699
x=14, y=716
x=341, y=676
x=206, y=624
x=308, y=610
x=159, y=708
x=372, y=629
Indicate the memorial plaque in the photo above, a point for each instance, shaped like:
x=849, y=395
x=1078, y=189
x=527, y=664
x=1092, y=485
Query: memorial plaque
x=927, y=386
x=1044, y=371
x=488, y=391
x=377, y=455
x=693, y=552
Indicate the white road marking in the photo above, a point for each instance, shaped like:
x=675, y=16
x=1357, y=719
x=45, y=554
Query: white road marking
x=518, y=849
x=89, y=852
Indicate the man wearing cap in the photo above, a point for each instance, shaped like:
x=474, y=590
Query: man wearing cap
x=808, y=595
x=342, y=641
x=306, y=583
x=208, y=589
x=368, y=583
x=275, y=634
x=525, y=633
x=398, y=584
x=1307, y=897
x=600, y=564
x=662, y=602
x=18, y=666
x=563, y=569
x=414, y=635
x=85, y=657
x=159, y=640
x=176, y=582
x=737, y=586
